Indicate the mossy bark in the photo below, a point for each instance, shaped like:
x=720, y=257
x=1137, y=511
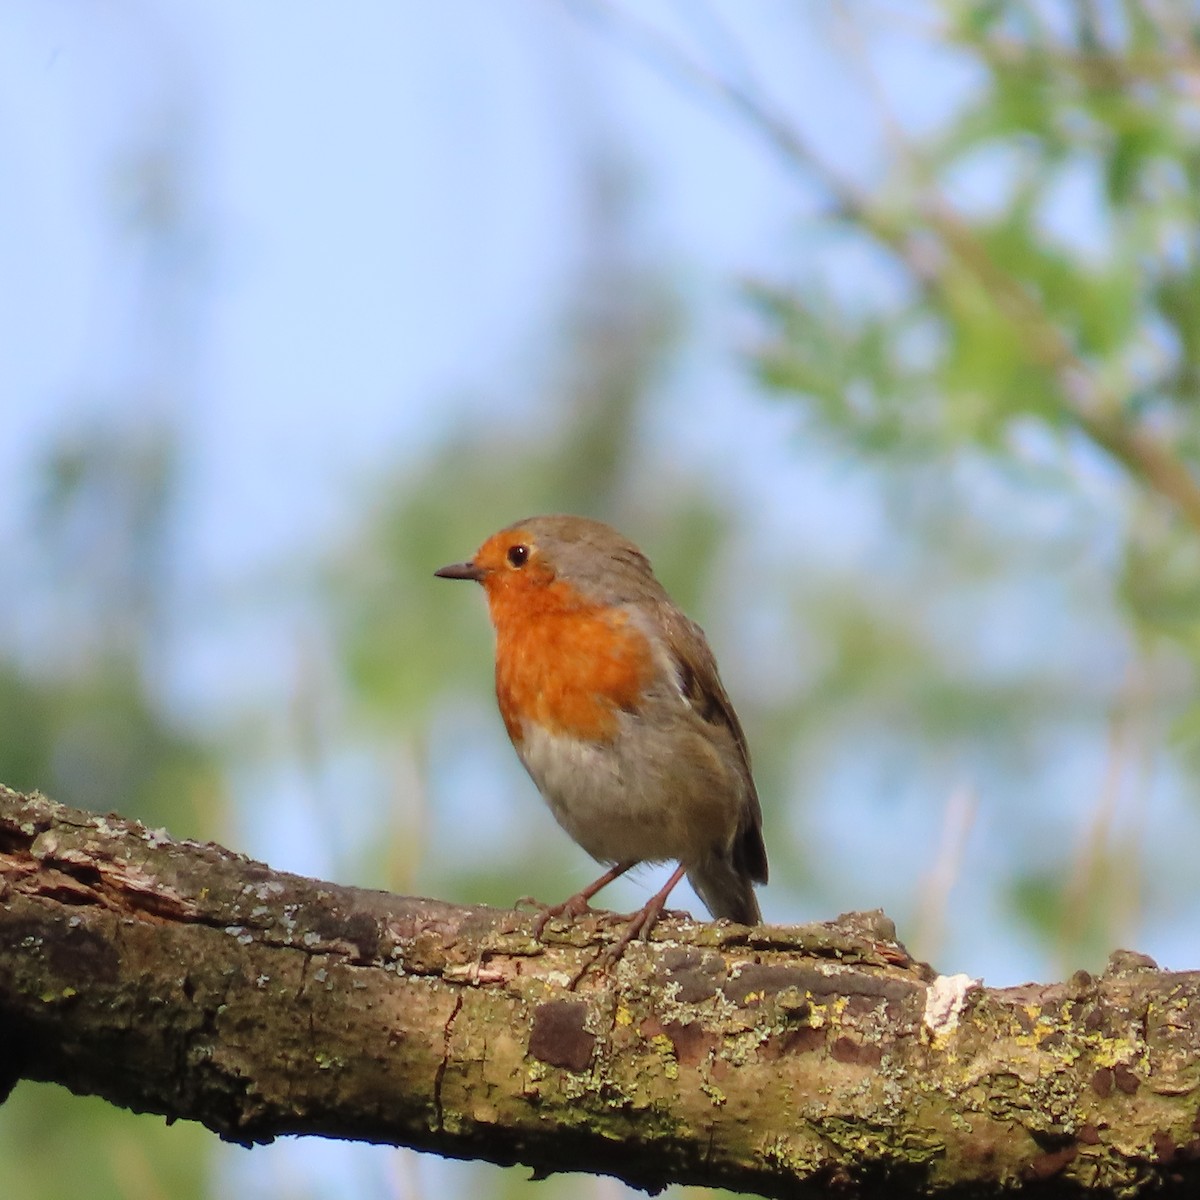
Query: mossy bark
x=183, y=979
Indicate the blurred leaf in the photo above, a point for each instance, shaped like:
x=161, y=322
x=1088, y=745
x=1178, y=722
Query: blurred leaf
x=129, y=1155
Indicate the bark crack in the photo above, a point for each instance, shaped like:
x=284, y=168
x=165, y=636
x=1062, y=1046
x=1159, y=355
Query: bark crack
x=444, y=1062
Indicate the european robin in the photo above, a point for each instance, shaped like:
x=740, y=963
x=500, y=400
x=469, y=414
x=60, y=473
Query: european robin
x=613, y=702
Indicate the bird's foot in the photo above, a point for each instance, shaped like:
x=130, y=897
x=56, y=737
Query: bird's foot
x=576, y=905
x=637, y=925
x=572, y=908
x=676, y=914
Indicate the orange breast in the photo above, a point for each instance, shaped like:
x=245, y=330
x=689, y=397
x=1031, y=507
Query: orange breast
x=568, y=666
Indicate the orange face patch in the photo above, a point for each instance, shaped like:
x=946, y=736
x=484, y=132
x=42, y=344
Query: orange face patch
x=562, y=662
x=495, y=558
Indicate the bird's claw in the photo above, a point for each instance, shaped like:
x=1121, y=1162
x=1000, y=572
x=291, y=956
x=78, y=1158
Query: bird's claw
x=572, y=908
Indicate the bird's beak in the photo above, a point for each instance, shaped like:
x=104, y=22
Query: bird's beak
x=464, y=570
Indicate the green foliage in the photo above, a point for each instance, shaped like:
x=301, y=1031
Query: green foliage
x=79, y=717
x=99, y=740
x=1025, y=298
x=80, y=721
x=1058, y=309
x=115, y=1155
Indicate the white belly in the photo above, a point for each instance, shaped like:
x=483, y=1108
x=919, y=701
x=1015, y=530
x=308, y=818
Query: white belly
x=624, y=807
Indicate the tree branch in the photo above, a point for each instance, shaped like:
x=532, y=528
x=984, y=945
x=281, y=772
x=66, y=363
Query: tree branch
x=184, y=979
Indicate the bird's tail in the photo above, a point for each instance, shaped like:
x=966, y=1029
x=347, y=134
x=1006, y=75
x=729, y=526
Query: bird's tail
x=726, y=891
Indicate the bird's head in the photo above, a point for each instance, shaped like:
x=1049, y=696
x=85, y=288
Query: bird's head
x=560, y=561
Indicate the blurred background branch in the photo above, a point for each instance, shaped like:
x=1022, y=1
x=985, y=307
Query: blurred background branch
x=939, y=247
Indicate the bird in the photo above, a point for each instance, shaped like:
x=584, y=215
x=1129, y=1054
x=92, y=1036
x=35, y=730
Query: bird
x=613, y=703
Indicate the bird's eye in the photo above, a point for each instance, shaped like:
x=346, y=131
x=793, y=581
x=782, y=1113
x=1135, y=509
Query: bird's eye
x=518, y=555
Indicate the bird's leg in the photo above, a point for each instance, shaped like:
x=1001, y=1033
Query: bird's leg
x=642, y=921
x=576, y=905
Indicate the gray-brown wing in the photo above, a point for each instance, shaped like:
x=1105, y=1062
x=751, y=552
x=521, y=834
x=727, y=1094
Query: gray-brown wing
x=700, y=683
